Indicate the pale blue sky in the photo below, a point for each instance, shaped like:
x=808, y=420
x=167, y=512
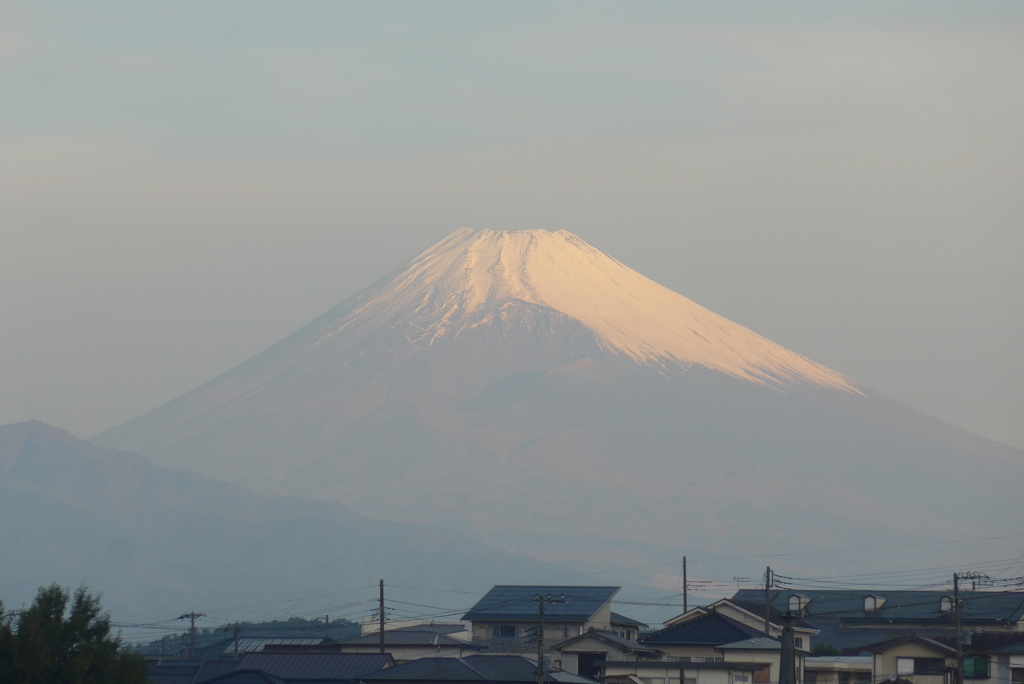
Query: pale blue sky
x=181, y=184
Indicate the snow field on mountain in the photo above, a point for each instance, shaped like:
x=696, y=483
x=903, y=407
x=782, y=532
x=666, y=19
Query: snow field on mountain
x=630, y=314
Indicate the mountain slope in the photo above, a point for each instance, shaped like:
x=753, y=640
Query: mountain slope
x=158, y=542
x=527, y=388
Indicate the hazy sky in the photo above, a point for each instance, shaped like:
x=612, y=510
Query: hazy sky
x=182, y=184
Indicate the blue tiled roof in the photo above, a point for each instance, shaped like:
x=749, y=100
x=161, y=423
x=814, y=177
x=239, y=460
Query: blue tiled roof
x=519, y=603
x=712, y=629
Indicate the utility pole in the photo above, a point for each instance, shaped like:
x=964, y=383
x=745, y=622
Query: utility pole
x=382, y=616
x=787, y=661
x=237, y=631
x=959, y=636
x=192, y=630
x=767, y=599
x=327, y=627
x=957, y=576
x=542, y=601
x=686, y=594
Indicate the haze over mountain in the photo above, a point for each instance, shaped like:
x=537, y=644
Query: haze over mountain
x=527, y=388
x=158, y=542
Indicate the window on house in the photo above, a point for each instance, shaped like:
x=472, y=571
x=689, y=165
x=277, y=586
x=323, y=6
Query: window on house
x=929, y=666
x=503, y=632
x=976, y=668
x=799, y=642
x=740, y=678
x=1017, y=675
x=904, y=666
x=945, y=604
x=810, y=677
x=873, y=603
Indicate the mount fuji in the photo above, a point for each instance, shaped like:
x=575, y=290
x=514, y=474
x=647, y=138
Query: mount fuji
x=530, y=390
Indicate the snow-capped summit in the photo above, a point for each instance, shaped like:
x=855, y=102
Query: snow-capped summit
x=444, y=290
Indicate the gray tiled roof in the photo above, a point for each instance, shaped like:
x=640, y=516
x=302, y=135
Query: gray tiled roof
x=609, y=637
x=316, y=665
x=899, y=606
x=519, y=603
x=481, y=668
x=712, y=629
x=247, y=677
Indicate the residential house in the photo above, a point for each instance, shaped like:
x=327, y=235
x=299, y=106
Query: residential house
x=722, y=643
x=850, y=619
x=588, y=654
x=506, y=618
x=837, y=670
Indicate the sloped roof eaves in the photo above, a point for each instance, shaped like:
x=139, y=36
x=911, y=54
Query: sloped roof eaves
x=607, y=637
x=711, y=629
x=620, y=619
x=427, y=669
x=774, y=614
x=246, y=677
x=889, y=643
x=407, y=638
x=519, y=603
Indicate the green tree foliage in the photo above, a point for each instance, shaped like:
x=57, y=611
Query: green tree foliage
x=64, y=638
x=825, y=650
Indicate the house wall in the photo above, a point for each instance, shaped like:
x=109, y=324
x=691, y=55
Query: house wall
x=665, y=673
x=884, y=664
x=553, y=632
x=602, y=619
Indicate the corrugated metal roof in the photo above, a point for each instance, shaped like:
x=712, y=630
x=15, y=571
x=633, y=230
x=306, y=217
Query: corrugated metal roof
x=254, y=644
x=316, y=665
x=479, y=668
x=519, y=603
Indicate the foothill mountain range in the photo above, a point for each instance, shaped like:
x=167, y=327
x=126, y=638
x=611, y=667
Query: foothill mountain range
x=506, y=406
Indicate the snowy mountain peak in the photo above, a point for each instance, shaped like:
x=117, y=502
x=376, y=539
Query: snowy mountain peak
x=441, y=292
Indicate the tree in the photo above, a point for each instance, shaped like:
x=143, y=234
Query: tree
x=65, y=639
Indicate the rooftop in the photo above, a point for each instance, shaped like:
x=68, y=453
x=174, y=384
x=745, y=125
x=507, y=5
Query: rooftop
x=899, y=606
x=316, y=665
x=519, y=603
x=477, y=668
x=711, y=629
